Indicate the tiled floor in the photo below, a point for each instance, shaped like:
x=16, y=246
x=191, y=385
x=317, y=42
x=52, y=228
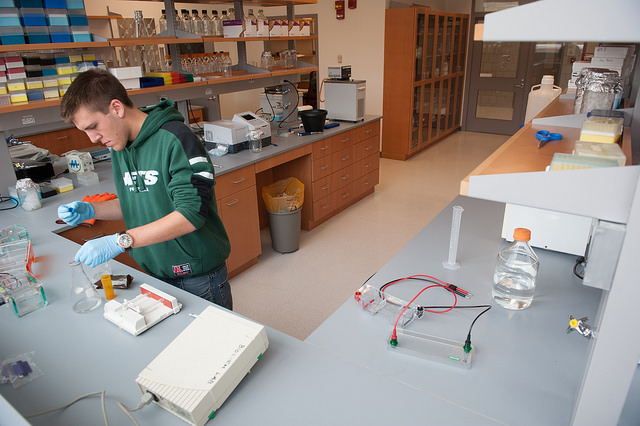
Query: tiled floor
x=296, y=292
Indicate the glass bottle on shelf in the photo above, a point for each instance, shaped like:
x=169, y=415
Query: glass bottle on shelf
x=231, y=13
x=186, y=21
x=162, y=22
x=227, y=65
x=218, y=30
x=177, y=24
x=196, y=23
x=207, y=24
x=263, y=24
x=251, y=24
x=225, y=15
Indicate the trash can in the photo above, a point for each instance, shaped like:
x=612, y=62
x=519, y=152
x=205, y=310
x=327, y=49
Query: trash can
x=283, y=200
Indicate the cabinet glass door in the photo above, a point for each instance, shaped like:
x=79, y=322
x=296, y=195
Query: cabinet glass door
x=446, y=54
x=455, y=58
x=419, y=46
x=415, y=117
x=439, y=46
x=463, y=44
x=426, y=113
x=435, y=105
x=428, y=57
x=444, y=97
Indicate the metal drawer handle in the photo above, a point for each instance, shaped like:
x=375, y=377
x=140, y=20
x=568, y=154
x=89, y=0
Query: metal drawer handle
x=62, y=137
x=240, y=180
x=324, y=188
x=345, y=195
x=345, y=177
x=236, y=201
x=324, y=167
x=368, y=131
x=368, y=148
x=345, y=140
x=326, y=206
x=324, y=147
x=345, y=158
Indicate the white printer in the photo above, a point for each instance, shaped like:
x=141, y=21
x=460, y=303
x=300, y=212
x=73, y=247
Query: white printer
x=233, y=133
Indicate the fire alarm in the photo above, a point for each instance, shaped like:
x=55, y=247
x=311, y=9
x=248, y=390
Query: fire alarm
x=339, y=9
x=352, y=4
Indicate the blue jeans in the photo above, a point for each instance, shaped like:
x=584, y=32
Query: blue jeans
x=213, y=287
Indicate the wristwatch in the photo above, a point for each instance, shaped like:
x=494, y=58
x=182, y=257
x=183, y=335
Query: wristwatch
x=125, y=241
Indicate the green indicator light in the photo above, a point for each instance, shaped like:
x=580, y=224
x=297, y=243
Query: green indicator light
x=260, y=356
x=455, y=358
x=212, y=415
x=394, y=342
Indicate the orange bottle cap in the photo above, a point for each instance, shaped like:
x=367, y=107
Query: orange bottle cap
x=521, y=234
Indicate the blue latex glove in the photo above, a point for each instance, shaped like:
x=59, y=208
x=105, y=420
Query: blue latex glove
x=95, y=252
x=76, y=212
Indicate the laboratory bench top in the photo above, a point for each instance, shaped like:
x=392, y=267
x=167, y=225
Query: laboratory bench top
x=526, y=369
x=283, y=144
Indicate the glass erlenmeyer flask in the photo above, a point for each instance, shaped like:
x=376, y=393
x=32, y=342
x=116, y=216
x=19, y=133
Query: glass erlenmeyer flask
x=84, y=296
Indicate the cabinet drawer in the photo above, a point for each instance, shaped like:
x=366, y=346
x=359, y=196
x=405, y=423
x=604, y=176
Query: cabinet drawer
x=344, y=195
x=321, y=148
x=60, y=141
x=321, y=167
x=367, y=182
x=343, y=140
x=367, y=147
x=367, y=164
x=343, y=177
x=235, y=181
x=323, y=207
x=369, y=130
x=322, y=188
x=343, y=158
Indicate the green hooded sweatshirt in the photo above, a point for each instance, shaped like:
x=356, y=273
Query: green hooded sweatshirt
x=166, y=169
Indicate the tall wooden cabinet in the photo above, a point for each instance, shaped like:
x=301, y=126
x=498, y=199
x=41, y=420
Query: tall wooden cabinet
x=424, y=63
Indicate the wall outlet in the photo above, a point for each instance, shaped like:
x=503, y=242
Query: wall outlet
x=339, y=59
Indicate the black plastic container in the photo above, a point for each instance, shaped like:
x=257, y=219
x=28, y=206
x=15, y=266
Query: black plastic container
x=313, y=119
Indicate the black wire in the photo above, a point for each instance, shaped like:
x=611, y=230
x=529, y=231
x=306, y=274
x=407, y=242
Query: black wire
x=581, y=260
x=190, y=111
x=295, y=109
x=9, y=198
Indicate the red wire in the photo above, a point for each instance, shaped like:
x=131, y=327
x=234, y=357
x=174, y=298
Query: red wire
x=444, y=285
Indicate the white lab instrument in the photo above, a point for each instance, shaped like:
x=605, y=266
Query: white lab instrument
x=226, y=132
x=194, y=375
x=253, y=122
x=143, y=312
x=345, y=100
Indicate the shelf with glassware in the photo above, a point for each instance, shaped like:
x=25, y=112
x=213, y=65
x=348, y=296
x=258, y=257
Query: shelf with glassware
x=424, y=76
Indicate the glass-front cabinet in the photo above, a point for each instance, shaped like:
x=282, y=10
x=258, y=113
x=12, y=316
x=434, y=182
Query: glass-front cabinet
x=425, y=53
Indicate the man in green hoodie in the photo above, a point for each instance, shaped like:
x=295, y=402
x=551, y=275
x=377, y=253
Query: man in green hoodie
x=164, y=179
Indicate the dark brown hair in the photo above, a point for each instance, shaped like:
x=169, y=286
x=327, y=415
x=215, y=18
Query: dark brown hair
x=94, y=89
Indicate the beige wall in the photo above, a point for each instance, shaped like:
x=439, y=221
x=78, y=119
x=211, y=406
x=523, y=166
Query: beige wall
x=359, y=38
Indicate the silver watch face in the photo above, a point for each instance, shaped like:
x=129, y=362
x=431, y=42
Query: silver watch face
x=125, y=241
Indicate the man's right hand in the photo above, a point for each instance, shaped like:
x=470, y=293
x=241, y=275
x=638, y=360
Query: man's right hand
x=76, y=212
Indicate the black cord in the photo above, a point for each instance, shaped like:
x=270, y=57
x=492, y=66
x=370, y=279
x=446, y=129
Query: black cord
x=580, y=261
x=295, y=109
x=9, y=198
x=190, y=111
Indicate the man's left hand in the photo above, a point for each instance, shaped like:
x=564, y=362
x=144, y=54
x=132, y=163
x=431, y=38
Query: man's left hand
x=98, y=251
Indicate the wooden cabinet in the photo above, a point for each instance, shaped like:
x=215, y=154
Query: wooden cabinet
x=60, y=141
x=344, y=170
x=424, y=63
x=238, y=209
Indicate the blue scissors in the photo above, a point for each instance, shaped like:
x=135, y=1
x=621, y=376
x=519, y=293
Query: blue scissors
x=545, y=136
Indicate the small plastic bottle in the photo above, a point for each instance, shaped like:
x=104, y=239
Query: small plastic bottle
x=514, y=278
x=186, y=21
x=227, y=65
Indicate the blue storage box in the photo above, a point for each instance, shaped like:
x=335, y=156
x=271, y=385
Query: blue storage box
x=11, y=35
x=32, y=17
x=80, y=34
x=151, y=81
x=78, y=17
x=60, y=58
x=57, y=17
x=49, y=70
x=54, y=4
x=9, y=17
x=75, y=4
x=35, y=95
x=29, y=3
x=37, y=35
x=60, y=34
